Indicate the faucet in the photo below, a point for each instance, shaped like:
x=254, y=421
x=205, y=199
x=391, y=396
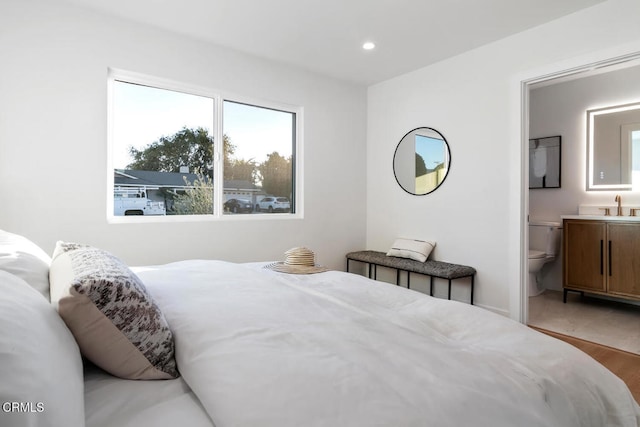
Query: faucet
x=619, y=200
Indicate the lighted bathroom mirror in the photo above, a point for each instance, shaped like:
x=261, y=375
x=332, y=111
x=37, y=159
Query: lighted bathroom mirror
x=421, y=161
x=544, y=162
x=613, y=148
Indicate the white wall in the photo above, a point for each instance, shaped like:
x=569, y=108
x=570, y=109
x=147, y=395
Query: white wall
x=560, y=109
x=53, y=112
x=473, y=99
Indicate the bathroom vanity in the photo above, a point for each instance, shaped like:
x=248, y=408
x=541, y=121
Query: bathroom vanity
x=601, y=255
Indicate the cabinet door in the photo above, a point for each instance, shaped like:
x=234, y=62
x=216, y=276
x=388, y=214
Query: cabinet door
x=584, y=257
x=624, y=259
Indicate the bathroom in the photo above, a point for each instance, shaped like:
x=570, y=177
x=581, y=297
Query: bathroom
x=559, y=107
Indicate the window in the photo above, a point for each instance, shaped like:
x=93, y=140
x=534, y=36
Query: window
x=166, y=161
x=259, y=147
x=631, y=133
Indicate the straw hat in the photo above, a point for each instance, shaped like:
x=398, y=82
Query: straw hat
x=298, y=261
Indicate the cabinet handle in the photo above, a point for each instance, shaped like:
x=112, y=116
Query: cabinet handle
x=610, y=257
x=601, y=258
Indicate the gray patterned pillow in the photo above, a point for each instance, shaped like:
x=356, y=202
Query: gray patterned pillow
x=115, y=321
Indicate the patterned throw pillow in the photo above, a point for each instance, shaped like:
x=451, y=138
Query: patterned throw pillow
x=115, y=321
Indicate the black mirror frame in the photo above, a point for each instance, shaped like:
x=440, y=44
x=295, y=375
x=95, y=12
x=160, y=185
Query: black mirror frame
x=446, y=144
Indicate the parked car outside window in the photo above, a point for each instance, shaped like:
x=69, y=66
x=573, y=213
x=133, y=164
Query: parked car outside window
x=273, y=204
x=238, y=206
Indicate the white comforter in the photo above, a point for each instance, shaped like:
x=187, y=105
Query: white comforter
x=114, y=402
x=261, y=348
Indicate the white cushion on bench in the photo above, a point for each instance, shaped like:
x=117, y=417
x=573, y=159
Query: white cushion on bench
x=418, y=250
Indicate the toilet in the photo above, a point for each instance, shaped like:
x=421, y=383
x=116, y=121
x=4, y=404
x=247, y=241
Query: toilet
x=544, y=247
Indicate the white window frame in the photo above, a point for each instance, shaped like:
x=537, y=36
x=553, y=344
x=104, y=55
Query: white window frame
x=218, y=98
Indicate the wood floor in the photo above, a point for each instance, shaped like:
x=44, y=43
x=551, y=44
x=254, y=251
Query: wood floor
x=622, y=363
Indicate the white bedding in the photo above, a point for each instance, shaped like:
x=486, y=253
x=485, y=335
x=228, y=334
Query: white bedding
x=111, y=401
x=260, y=348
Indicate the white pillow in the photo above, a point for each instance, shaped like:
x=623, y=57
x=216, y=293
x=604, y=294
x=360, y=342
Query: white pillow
x=23, y=258
x=41, y=378
x=418, y=250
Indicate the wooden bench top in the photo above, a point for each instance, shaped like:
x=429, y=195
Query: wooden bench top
x=439, y=269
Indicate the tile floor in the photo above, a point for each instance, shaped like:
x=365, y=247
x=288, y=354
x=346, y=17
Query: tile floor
x=605, y=322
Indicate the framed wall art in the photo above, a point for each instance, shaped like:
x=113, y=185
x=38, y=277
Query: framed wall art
x=544, y=162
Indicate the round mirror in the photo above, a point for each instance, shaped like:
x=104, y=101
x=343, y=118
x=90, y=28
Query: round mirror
x=421, y=161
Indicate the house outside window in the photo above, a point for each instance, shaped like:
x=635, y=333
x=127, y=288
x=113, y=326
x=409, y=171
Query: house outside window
x=166, y=163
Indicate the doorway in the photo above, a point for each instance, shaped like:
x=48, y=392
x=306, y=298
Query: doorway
x=588, y=318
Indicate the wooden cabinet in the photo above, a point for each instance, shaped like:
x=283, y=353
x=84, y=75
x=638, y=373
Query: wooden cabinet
x=601, y=257
x=583, y=266
x=623, y=248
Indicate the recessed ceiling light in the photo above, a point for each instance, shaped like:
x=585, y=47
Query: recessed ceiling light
x=368, y=45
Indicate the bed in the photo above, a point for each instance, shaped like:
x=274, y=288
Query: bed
x=257, y=347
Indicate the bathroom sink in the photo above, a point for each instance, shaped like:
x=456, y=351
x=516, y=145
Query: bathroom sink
x=597, y=212
x=603, y=217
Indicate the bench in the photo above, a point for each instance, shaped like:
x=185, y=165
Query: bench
x=439, y=269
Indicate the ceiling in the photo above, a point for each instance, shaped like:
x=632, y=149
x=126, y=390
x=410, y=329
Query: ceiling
x=326, y=36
